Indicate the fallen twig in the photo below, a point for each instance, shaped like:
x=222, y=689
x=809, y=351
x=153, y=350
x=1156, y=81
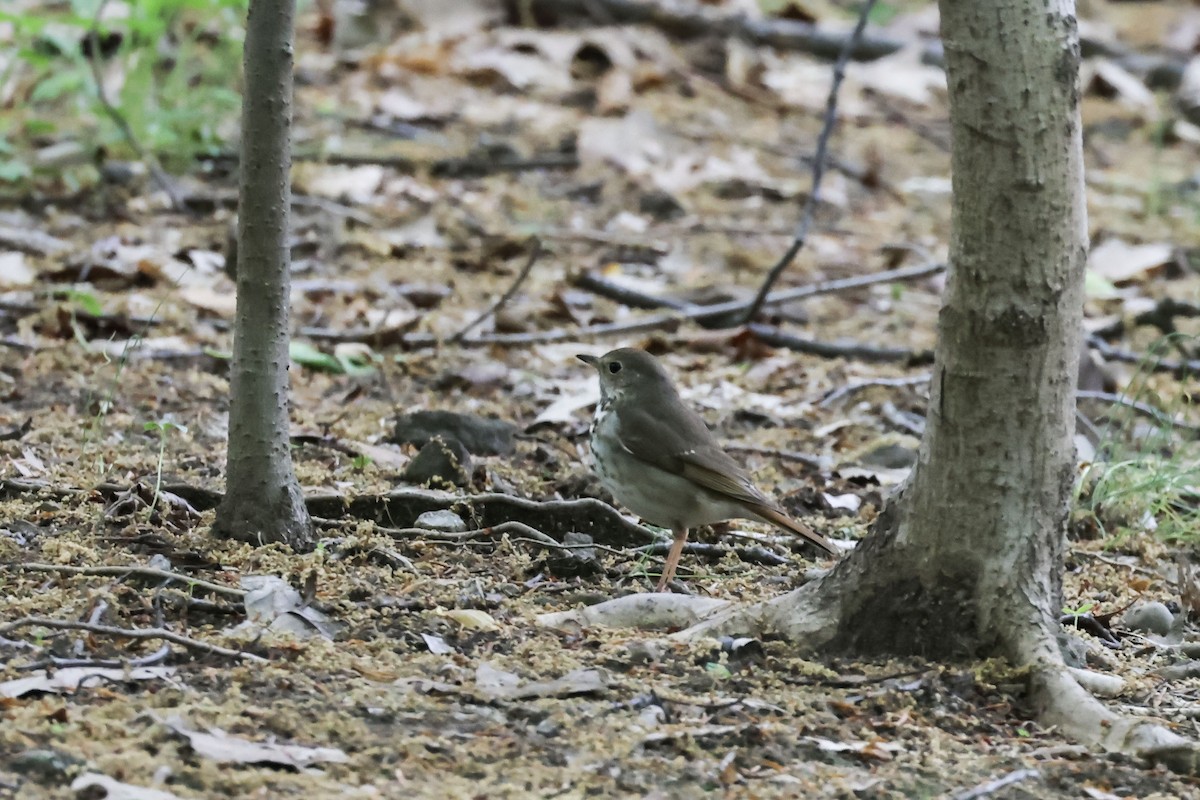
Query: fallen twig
x=728, y=310
x=818, y=164
x=778, y=338
x=535, y=250
x=150, y=660
x=858, y=386
x=669, y=320
x=122, y=571
x=698, y=19
x=751, y=555
x=17, y=433
x=1181, y=369
x=807, y=459
x=458, y=537
x=993, y=786
x=130, y=633
x=1144, y=409
x=554, y=518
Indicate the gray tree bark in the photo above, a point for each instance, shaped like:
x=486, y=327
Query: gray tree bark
x=263, y=502
x=967, y=559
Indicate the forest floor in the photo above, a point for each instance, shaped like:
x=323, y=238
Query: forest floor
x=408, y=664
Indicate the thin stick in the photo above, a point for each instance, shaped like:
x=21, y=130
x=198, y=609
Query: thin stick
x=156, y=657
x=1180, y=369
x=156, y=172
x=131, y=633
x=672, y=319
x=693, y=313
x=145, y=572
x=1142, y=408
x=854, y=388
x=777, y=337
x=818, y=164
x=535, y=250
x=807, y=459
x=991, y=787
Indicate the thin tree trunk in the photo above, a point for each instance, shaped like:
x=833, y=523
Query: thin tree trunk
x=263, y=502
x=967, y=559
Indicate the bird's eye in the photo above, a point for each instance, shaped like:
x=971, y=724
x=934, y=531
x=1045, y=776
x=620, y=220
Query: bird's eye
x=614, y=367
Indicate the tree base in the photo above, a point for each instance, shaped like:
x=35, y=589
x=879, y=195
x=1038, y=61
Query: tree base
x=259, y=518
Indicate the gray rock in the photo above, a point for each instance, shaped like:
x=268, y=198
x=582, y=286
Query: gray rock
x=440, y=462
x=1074, y=649
x=443, y=520
x=1152, y=617
x=480, y=435
x=890, y=456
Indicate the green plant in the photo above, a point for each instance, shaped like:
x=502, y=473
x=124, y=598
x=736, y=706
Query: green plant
x=165, y=75
x=163, y=428
x=1146, y=475
x=1078, y=612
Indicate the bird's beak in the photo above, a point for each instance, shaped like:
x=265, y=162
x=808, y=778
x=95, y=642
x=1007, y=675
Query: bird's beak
x=589, y=360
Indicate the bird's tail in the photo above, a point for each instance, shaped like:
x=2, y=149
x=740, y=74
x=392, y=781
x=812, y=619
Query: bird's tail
x=777, y=517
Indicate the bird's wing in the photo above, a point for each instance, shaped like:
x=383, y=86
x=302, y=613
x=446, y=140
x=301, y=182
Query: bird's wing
x=686, y=447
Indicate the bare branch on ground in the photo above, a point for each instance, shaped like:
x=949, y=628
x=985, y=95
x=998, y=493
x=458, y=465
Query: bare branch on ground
x=130, y=633
x=123, y=571
x=535, y=250
x=818, y=164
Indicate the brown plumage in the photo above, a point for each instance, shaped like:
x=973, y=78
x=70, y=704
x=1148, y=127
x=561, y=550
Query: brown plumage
x=658, y=458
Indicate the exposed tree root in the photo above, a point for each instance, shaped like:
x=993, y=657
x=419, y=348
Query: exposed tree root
x=808, y=616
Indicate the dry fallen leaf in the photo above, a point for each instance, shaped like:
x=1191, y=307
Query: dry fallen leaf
x=1121, y=262
x=223, y=748
x=88, y=783
x=68, y=679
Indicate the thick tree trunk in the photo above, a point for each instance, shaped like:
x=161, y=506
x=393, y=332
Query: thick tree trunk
x=263, y=502
x=967, y=559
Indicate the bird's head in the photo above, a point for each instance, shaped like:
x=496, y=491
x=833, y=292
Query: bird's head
x=628, y=371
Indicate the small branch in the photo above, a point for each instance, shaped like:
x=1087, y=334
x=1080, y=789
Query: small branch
x=756, y=554
x=807, y=459
x=145, y=572
x=723, y=312
x=818, y=164
x=991, y=787
x=1142, y=408
x=776, y=337
x=703, y=313
x=17, y=433
x=535, y=250
x=858, y=386
x=1181, y=369
x=522, y=530
x=913, y=423
x=150, y=660
x=118, y=119
x=697, y=19
x=131, y=633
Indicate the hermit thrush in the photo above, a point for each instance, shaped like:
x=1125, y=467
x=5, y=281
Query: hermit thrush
x=660, y=461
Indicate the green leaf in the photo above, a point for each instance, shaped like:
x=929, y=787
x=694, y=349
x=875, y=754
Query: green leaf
x=718, y=670
x=87, y=302
x=68, y=81
x=306, y=355
x=357, y=363
x=1097, y=287
x=14, y=171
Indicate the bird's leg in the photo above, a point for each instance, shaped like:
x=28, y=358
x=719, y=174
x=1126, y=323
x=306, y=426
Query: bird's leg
x=673, y=558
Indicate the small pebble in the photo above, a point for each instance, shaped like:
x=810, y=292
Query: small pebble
x=443, y=521
x=1153, y=617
